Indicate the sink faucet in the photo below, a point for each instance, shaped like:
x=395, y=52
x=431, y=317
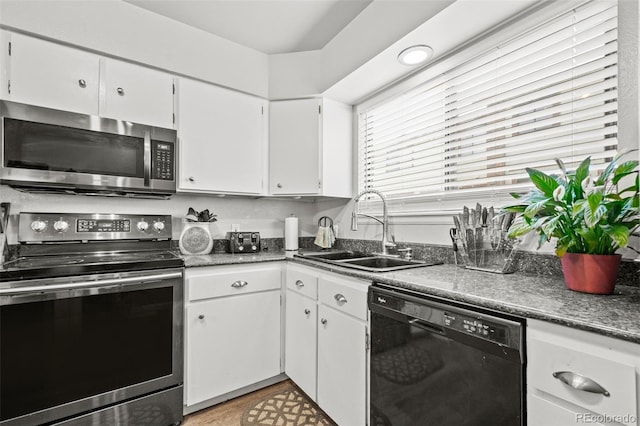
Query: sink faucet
x=386, y=242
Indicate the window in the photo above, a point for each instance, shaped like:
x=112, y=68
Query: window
x=471, y=129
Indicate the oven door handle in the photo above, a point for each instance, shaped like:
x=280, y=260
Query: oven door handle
x=86, y=284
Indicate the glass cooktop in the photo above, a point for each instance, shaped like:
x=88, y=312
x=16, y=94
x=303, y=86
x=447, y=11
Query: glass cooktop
x=91, y=263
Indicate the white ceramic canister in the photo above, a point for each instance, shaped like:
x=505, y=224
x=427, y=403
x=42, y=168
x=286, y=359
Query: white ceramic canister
x=196, y=238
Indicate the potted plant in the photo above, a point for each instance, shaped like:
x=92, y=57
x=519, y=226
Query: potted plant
x=590, y=218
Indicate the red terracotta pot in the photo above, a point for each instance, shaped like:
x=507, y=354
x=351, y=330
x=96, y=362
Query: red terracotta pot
x=590, y=273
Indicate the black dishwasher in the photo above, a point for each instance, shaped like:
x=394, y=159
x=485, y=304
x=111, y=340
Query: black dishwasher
x=437, y=363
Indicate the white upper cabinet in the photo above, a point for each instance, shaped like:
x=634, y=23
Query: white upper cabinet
x=310, y=148
x=52, y=75
x=222, y=137
x=48, y=74
x=134, y=93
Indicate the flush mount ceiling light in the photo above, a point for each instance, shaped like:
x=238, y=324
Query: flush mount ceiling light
x=415, y=55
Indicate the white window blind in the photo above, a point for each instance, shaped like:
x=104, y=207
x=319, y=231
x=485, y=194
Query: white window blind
x=549, y=93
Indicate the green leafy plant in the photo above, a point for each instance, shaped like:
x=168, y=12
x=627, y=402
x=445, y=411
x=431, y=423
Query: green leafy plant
x=585, y=214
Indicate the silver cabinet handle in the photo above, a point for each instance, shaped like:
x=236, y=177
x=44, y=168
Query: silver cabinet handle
x=192, y=179
x=120, y=91
x=201, y=316
x=323, y=321
x=340, y=299
x=307, y=311
x=580, y=382
x=239, y=284
x=299, y=284
x=82, y=83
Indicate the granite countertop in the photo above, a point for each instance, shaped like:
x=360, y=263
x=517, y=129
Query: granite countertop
x=529, y=296
x=231, y=258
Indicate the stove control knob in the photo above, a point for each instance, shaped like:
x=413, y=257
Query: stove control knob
x=158, y=226
x=142, y=225
x=38, y=225
x=61, y=225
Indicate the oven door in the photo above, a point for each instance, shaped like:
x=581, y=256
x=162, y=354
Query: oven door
x=71, y=345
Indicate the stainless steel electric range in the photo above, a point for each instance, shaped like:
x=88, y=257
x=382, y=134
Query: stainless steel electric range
x=91, y=322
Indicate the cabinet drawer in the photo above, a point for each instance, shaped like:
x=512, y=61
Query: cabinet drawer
x=617, y=378
x=302, y=281
x=547, y=413
x=348, y=296
x=218, y=281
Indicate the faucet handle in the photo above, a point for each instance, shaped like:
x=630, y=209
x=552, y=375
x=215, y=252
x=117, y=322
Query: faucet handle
x=405, y=253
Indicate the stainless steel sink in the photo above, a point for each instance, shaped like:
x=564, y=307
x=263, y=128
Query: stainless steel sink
x=336, y=255
x=365, y=261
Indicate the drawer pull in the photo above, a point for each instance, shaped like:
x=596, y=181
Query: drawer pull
x=299, y=284
x=340, y=299
x=579, y=382
x=239, y=284
x=323, y=321
x=201, y=316
x=307, y=311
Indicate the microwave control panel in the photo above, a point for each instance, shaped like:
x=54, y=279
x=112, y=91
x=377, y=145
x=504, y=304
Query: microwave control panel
x=163, y=160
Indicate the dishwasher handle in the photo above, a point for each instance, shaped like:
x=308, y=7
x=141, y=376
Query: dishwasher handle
x=426, y=326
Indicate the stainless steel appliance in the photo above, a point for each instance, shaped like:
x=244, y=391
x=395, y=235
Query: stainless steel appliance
x=437, y=363
x=91, y=322
x=243, y=242
x=48, y=150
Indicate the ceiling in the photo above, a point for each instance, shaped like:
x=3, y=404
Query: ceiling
x=268, y=26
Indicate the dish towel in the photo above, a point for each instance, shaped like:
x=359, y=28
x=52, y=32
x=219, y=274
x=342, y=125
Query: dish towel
x=325, y=237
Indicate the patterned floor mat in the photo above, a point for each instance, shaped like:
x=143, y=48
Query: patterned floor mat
x=288, y=408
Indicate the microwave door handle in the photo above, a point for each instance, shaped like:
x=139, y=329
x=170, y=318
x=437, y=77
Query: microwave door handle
x=147, y=158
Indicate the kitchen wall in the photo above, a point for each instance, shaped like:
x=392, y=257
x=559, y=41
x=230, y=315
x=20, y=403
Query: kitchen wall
x=260, y=214
x=434, y=228
x=125, y=31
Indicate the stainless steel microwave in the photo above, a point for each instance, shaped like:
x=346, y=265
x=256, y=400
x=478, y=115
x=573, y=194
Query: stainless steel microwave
x=48, y=150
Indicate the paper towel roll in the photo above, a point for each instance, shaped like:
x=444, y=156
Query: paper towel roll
x=291, y=233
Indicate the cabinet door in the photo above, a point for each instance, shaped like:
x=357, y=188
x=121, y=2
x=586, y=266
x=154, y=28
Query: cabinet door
x=232, y=342
x=50, y=75
x=300, y=342
x=294, y=147
x=138, y=94
x=222, y=143
x=342, y=385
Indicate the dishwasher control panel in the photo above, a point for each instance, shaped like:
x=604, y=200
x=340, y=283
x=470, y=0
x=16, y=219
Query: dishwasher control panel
x=439, y=317
x=477, y=326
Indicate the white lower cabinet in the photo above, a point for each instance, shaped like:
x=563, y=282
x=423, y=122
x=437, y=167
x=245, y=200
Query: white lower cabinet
x=233, y=329
x=301, y=341
x=575, y=377
x=326, y=341
x=342, y=384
